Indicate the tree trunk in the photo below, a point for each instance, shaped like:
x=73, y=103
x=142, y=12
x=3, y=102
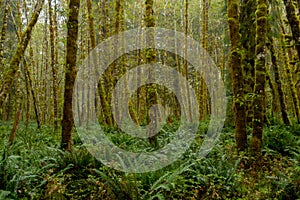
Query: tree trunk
x=185, y=62
x=294, y=22
x=274, y=90
x=283, y=106
x=289, y=77
x=205, y=35
x=151, y=92
x=259, y=105
x=247, y=20
x=104, y=33
x=70, y=75
x=3, y=33
x=54, y=67
x=236, y=71
x=18, y=108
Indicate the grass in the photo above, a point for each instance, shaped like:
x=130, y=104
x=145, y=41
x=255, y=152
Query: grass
x=35, y=168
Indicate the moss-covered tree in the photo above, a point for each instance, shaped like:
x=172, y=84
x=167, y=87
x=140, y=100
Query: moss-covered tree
x=294, y=22
x=236, y=71
x=259, y=105
x=3, y=32
x=247, y=21
x=70, y=75
x=151, y=91
x=53, y=66
x=205, y=40
x=281, y=95
x=287, y=68
x=293, y=19
x=18, y=108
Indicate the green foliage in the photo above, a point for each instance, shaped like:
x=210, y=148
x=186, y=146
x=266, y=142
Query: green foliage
x=283, y=140
x=7, y=195
x=35, y=168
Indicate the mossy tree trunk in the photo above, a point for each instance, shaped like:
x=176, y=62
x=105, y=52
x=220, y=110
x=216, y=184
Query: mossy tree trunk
x=53, y=66
x=3, y=33
x=70, y=75
x=290, y=82
x=118, y=64
x=17, y=84
x=185, y=62
x=275, y=107
x=91, y=23
x=44, y=67
x=289, y=77
x=259, y=105
x=27, y=72
x=236, y=71
x=293, y=19
x=92, y=39
x=247, y=21
x=205, y=35
x=281, y=95
x=18, y=108
x=33, y=92
x=102, y=84
x=151, y=92
x=294, y=22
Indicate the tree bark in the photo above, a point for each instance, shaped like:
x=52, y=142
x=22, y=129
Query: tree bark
x=18, y=108
x=33, y=94
x=70, y=75
x=151, y=92
x=53, y=67
x=259, y=105
x=283, y=106
x=205, y=35
x=247, y=21
x=236, y=72
x=3, y=33
x=289, y=77
x=294, y=22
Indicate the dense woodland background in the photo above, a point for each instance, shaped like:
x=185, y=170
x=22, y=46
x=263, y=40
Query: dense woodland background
x=254, y=43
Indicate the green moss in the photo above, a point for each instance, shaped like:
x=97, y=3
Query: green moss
x=232, y=21
x=260, y=76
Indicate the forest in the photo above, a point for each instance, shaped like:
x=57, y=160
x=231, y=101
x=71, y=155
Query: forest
x=152, y=99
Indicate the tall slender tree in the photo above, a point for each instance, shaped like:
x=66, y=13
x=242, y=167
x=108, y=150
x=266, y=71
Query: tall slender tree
x=294, y=22
x=285, y=47
x=151, y=93
x=53, y=66
x=3, y=32
x=278, y=81
x=205, y=36
x=247, y=20
x=236, y=71
x=70, y=75
x=18, y=108
x=259, y=105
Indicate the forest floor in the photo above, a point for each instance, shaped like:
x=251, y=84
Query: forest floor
x=35, y=168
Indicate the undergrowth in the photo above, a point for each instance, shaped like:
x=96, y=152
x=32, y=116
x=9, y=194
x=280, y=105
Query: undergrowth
x=35, y=168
